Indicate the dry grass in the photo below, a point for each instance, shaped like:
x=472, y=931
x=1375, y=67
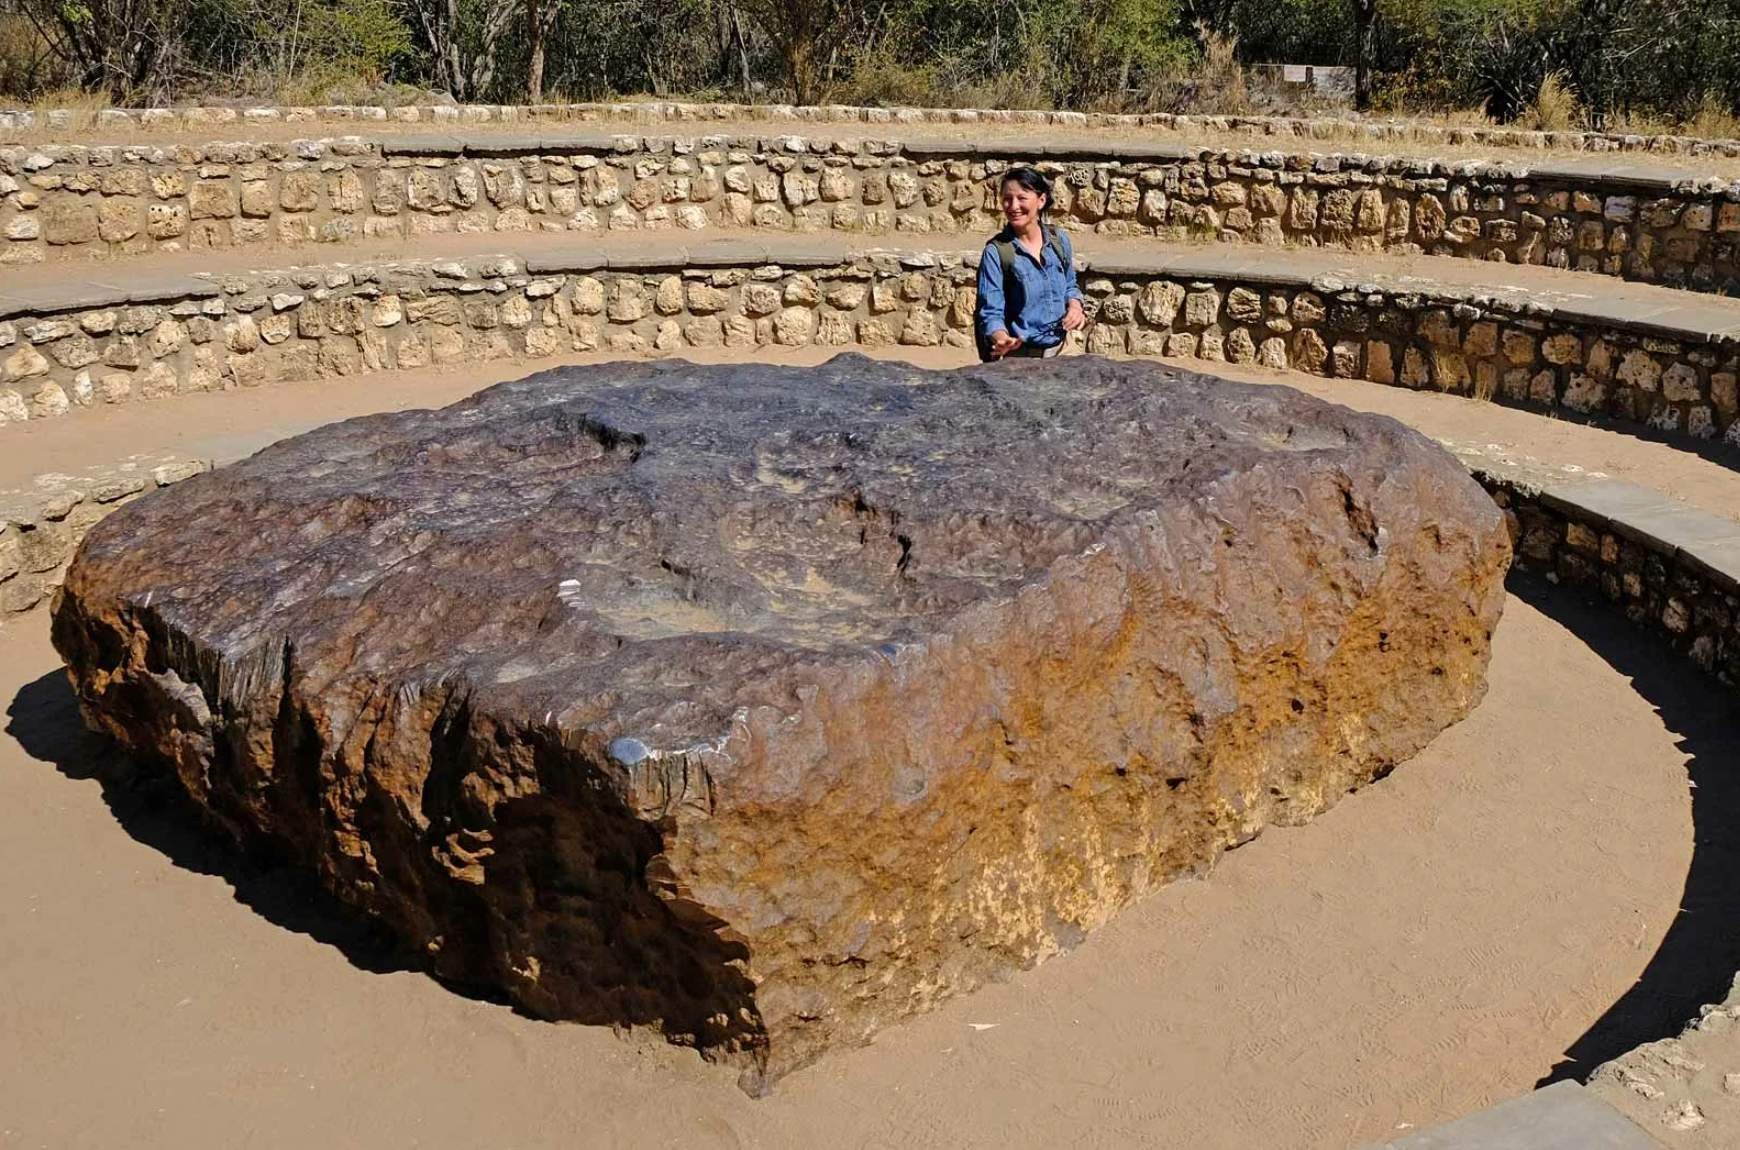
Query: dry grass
x=26, y=61
x=80, y=103
x=1712, y=121
x=1555, y=108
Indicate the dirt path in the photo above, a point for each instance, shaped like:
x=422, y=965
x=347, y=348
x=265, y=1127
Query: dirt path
x=1433, y=944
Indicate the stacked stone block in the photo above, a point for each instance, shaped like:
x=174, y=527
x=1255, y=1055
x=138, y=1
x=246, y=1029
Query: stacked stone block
x=67, y=200
x=21, y=121
x=344, y=321
x=1637, y=561
x=41, y=526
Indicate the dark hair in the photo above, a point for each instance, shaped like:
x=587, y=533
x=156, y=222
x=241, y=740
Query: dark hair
x=1030, y=179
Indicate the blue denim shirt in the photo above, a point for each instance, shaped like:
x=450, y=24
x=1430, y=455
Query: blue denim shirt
x=1039, y=292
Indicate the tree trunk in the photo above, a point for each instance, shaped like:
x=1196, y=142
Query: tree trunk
x=800, y=63
x=535, y=69
x=742, y=48
x=1365, y=27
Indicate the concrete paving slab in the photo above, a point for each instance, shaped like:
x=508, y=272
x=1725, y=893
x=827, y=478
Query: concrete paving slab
x=142, y=287
x=727, y=253
x=929, y=149
x=503, y=144
x=1221, y=262
x=50, y=297
x=1563, y=1116
x=420, y=144
x=662, y=258
x=1717, y=559
x=571, y=141
x=1641, y=178
x=1153, y=150
x=807, y=252
x=1610, y=502
x=1686, y=529
x=1650, y=518
x=558, y=258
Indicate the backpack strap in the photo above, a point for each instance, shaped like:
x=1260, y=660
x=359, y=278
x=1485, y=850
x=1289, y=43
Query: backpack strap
x=1006, y=254
x=1055, y=239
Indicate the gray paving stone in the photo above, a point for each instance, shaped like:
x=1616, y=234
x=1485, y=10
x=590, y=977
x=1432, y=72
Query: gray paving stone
x=143, y=287
x=504, y=144
x=112, y=291
x=1158, y=152
x=420, y=144
x=661, y=258
x=922, y=149
x=808, y=252
x=1718, y=560
x=1563, y=1116
x=557, y=258
x=1618, y=312
x=1710, y=543
x=727, y=253
x=1610, y=502
x=1633, y=177
x=1221, y=263
x=566, y=143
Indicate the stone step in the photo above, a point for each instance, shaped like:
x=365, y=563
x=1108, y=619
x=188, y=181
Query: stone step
x=1651, y=359
x=1577, y=296
x=1633, y=220
x=1563, y=1116
x=23, y=123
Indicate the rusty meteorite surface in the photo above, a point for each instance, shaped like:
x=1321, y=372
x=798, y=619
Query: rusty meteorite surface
x=769, y=705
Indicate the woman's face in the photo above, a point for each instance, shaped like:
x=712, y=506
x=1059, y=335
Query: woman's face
x=1020, y=206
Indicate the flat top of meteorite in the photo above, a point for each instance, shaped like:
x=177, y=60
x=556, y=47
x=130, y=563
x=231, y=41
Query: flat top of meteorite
x=645, y=549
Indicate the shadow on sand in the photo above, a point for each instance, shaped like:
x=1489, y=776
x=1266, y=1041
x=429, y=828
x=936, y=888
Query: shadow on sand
x=44, y=719
x=1697, y=958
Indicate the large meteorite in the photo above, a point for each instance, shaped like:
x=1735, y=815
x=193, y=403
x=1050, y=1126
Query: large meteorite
x=769, y=705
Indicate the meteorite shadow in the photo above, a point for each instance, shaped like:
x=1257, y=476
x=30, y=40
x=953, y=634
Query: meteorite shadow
x=44, y=718
x=1697, y=958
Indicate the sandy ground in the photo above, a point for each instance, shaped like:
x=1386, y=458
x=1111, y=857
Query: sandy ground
x=1435, y=943
x=225, y=426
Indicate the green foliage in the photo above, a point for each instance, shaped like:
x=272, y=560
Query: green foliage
x=1092, y=54
x=152, y=50
x=1528, y=61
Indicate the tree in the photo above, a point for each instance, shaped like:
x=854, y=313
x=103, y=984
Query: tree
x=1364, y=51
x=465, y=38
x=540, y=18
x=806, y=34
x=116, y=46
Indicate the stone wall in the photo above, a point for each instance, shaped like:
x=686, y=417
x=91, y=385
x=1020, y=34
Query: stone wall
x=342, y=321
x=1669, y=569
x=68, y=200
x=18, y=122
x=42, y=525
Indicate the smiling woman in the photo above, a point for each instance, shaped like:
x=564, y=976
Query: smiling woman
x=1028, y=298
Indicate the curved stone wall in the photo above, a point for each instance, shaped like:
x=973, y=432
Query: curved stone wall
x=17, y=122
x=91, y=344
x=59, y=201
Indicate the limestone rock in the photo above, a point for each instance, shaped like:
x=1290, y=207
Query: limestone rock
x=771, y=705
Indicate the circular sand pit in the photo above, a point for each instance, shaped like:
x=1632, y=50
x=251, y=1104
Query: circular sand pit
x=1434, y=943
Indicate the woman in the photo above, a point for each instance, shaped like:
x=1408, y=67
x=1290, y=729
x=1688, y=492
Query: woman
x=1028, y=298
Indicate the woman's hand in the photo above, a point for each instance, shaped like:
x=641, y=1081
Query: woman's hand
x=1074, y=319
x=1002, y=343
